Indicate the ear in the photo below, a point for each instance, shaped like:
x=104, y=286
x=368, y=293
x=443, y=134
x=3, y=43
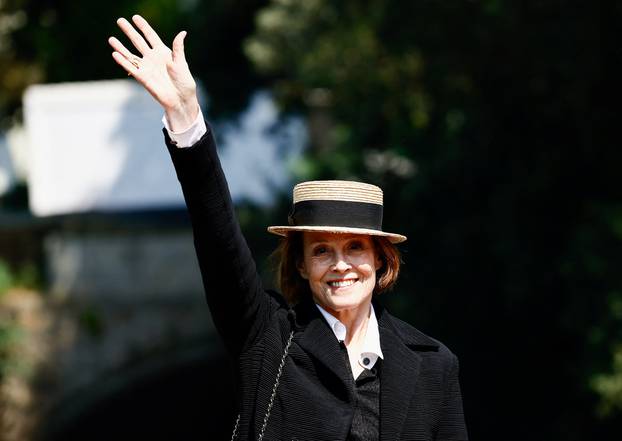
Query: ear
x=302, y=270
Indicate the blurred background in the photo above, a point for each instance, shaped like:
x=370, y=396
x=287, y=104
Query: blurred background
x=490, y=125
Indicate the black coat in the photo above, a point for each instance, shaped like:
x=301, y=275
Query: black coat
x=420, y=394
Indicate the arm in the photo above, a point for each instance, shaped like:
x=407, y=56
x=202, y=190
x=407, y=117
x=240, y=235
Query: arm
x=233, y=288
x=452, y=426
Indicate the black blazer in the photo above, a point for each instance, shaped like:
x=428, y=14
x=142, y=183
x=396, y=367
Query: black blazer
x=420, y=394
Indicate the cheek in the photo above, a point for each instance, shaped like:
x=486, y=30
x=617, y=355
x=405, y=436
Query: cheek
x=367, y=269
x=315, y=270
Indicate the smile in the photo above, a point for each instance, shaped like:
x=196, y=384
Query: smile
x=341, y=283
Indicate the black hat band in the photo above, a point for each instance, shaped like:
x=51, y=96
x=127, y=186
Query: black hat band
x=321, y=213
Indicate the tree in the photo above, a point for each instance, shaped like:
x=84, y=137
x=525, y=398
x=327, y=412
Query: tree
x=63, y=40
x=490, y=125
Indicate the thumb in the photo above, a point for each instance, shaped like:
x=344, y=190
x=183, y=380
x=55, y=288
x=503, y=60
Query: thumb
x=178, y=47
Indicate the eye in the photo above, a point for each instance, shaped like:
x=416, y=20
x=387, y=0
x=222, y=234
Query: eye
x=356, y=245
x=320, y=250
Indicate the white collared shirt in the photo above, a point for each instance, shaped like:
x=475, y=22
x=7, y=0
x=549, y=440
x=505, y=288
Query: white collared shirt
x=370, y=351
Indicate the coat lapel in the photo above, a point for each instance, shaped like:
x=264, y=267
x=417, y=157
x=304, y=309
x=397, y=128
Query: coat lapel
x=398, y=381
x=400, y=367
x=318, y=340
x=400, y=370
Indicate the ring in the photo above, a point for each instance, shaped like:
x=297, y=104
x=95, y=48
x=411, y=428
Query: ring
x=134, y=61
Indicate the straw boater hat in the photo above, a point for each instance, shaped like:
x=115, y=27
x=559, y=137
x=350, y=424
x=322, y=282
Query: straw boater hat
x=337, y=207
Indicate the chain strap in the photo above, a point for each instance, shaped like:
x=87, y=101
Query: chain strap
x=272, y=397
x=235, y=429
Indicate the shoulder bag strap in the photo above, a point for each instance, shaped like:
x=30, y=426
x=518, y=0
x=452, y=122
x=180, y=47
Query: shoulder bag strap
x=271, y=402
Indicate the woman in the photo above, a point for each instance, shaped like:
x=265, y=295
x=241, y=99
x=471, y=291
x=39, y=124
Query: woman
x=336, y=365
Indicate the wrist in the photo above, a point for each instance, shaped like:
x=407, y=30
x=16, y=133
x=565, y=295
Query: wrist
x=182, y=116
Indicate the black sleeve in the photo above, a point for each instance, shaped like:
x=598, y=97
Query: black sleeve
x=452, y=426
x=239, y=305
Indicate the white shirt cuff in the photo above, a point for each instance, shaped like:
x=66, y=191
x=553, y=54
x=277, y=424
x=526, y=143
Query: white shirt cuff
x=191, y=135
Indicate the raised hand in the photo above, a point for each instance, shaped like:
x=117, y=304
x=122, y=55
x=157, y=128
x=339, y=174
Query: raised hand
x=162, y=71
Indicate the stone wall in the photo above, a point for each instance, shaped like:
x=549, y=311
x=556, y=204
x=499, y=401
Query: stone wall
x=118, y=301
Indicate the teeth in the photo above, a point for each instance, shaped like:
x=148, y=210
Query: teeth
x=342, y=283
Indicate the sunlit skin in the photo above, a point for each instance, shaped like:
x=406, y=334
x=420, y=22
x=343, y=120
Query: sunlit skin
x=331, y=259
x=163, y=72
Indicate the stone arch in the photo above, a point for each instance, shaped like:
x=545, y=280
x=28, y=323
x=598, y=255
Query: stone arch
x=187, y=394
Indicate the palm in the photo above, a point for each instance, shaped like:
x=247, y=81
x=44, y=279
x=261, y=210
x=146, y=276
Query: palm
x=166, y=79
x=163, y=72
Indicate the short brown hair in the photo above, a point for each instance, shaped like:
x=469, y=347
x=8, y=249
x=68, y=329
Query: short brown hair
x=289, y=254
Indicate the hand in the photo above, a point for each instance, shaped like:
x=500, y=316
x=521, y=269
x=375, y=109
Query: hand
x=160, y=70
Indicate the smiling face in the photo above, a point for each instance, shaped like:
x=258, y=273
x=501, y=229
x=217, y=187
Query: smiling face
x=341, y=269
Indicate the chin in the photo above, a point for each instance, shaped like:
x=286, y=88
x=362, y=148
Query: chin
x=344, y=302
x=343, y=306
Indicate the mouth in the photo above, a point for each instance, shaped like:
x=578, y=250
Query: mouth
x=341, y=283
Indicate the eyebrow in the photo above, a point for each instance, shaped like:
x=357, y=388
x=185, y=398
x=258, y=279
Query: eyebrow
x=326, y=241
x=318, y=242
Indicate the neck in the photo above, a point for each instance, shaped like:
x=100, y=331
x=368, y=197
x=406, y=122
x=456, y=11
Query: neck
x=355, y=320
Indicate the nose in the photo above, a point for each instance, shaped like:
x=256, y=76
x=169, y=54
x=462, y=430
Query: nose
x=341, y=265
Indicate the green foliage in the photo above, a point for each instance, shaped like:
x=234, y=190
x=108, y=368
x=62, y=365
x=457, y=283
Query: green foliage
x=610, y=386
x=10, y=336
x=6, y=278
x=65, y=41
x=26, y=276
x=490, y=127
x=92, y=322
x=10, y=333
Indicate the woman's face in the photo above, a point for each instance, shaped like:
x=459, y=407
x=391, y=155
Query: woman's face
x=340, y=268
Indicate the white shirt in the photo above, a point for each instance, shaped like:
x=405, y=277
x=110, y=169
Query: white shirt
x=187, y=137
x=370, y=350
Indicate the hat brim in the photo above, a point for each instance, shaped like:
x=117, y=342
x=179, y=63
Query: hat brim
x=283, y=230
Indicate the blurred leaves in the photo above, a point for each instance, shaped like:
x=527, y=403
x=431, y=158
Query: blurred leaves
x=26, y=276
x=62, y=40
x=609, y=386
x=10, y=336
x=10, y=333
x=92, y=322
x=490, y=125
x=6, y=278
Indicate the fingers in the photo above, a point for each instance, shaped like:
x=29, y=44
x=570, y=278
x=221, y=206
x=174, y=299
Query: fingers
x=123, y=56
x=178, y=47
x=119, y=47
x=125, y=63
x=137, y=40
x=151, y=35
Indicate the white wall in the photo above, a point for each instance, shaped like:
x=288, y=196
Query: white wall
x=98, y=146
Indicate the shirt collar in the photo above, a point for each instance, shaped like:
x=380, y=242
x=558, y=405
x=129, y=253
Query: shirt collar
x=372, y=339
x=370, y=350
